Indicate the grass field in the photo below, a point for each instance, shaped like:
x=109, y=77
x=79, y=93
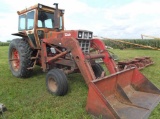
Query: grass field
x=29, y=99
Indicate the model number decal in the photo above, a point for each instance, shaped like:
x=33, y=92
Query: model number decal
x=67, y=34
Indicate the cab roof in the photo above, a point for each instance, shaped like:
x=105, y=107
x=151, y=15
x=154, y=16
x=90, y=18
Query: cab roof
x=39, y=7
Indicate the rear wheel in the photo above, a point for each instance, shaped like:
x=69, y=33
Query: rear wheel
x=19, y=56
x=97, y=69
x=56, y=82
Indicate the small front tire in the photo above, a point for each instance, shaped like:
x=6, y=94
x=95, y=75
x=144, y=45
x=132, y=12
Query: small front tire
x=56, y=82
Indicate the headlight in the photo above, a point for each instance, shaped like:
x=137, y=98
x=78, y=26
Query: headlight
x=79, y=34
x=40, y=6
x=90, y=35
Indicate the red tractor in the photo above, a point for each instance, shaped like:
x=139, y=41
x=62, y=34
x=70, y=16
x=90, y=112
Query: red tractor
x=44, y=42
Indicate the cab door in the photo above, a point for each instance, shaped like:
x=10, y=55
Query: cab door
x=27, y=26
x=30, y=16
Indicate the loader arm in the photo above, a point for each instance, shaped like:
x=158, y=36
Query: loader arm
x=72, y=45
x=124, y=94
x=108, y=61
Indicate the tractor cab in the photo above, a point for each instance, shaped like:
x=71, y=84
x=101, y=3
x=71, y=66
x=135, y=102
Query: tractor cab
x=36, y=21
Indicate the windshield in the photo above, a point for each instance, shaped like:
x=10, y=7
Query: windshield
x=46, y=20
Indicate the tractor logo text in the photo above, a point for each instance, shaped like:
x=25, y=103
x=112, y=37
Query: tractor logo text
x=67, y=34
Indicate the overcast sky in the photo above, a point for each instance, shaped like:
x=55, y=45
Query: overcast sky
x=106, y=18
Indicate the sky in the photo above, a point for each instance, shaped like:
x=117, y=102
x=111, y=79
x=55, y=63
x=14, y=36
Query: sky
x=120, y=19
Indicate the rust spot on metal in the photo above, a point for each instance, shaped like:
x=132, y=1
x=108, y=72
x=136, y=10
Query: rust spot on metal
x=60, y=35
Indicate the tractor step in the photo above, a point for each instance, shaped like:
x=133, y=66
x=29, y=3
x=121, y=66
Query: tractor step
x=34, y=58
x=29, y=68
x=124, y=95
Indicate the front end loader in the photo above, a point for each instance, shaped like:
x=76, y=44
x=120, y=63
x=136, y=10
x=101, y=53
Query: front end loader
x=125, y=94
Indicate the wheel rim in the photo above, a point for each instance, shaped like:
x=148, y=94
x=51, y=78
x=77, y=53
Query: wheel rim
x=52, y=84
x=15, y=61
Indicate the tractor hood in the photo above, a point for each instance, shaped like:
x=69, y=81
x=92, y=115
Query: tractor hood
x=78, y=34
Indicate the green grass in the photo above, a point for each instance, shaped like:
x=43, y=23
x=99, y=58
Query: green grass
x=29, y=99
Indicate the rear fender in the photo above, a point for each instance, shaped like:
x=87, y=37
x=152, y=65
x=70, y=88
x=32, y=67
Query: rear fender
x=27, y=38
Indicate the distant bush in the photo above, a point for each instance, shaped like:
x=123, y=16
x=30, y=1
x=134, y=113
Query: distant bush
x=8, y=41
x=4, y=44
x=146, y=42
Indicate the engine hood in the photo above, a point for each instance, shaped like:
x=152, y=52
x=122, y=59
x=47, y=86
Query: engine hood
x=79, y=34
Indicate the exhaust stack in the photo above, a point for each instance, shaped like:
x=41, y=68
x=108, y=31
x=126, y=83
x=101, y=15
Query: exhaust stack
x=56, y=17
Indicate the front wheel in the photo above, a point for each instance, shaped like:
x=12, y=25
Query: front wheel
x=56, y=82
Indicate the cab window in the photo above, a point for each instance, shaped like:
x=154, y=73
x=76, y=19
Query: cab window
x=26, y=21
x=22, y=22
x=60, y=27
x=30, y=20
x=45, y=19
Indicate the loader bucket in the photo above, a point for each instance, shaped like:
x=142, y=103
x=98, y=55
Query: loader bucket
x=124, y=95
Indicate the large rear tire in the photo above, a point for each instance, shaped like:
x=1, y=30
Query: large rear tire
x=56, y=82
x=19, y=57
x=97, y=69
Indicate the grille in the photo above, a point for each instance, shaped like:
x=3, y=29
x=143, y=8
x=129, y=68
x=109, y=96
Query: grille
x=85, y=34
x=85, y=45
